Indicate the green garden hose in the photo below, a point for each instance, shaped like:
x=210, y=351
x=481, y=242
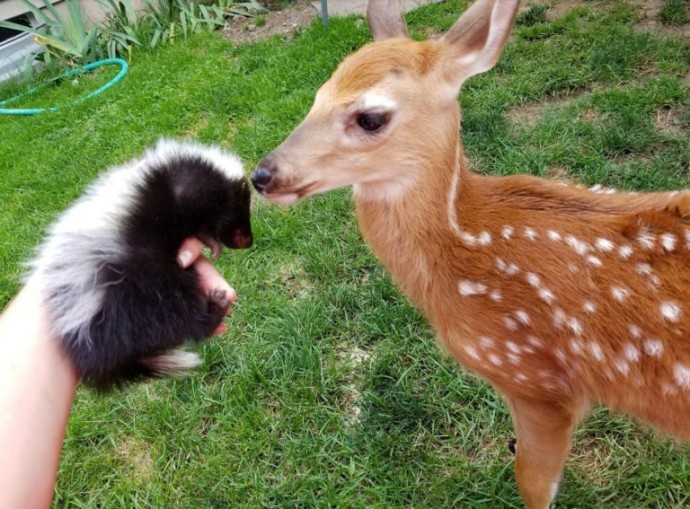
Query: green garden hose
x=78, y=70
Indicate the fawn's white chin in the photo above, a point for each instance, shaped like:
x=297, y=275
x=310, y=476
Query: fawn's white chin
x=283, y=199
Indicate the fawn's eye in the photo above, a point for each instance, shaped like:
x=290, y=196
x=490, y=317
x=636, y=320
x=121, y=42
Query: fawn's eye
x=372, y=122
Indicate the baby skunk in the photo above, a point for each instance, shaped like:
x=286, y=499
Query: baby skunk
x=117, y=299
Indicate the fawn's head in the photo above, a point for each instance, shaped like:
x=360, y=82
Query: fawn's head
x=389, y=109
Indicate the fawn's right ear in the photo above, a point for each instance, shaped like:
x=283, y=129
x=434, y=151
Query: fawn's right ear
x=475, y=42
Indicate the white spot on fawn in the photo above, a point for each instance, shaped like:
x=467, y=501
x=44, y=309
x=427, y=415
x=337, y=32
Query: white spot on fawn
x=512, y=269
x=622, y=367
x=554, y=235
x=645, y=238
x=589, y=306
x=468, y=288
x=501, y=264
x=681, y=373
x=472, y=352
x=654, y=347
x=484, y=238
x=559, y=317
x=535, y=341
x=634, y=331
x=467, y=238
x=561, y=355
x=625, y=252
x=530, y=234
x=670, y=311
x=522, y=316
x=595, y=351
x=507, y=232
x=687, y=239
x=594, y=261
x=510, y=323
x=578, y=246
x=576, y=346
x=513, y=347
x=619, y=293
x=643, y=268
x=533, y=279
x=668, y=241
x=486, y=342
x=604, y=245
x=631, y=353
x=575, y=326
x=495, y=359
x=495, y=295
x=546, y=295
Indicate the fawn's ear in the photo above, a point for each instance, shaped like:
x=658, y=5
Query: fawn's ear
x=385, y=19
x=476, y=40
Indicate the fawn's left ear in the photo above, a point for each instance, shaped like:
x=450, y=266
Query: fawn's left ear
x=474, y=43
x=386, y=19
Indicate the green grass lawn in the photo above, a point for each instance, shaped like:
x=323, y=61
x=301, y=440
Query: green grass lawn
x=328, y=389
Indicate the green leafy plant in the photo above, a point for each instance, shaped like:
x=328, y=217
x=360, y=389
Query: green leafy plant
x=119, y=32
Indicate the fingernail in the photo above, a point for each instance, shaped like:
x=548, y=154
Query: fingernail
x=184, y=258
x=231, y=293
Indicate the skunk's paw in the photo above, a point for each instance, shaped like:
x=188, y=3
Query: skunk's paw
x=217, y=307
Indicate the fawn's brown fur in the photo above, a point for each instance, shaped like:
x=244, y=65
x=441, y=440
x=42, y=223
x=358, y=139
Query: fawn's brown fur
x=560, y=297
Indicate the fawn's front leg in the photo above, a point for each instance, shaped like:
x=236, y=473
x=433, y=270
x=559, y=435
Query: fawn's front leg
x=544, y=430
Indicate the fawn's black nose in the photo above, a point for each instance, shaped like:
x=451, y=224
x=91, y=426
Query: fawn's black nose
x=263, y=174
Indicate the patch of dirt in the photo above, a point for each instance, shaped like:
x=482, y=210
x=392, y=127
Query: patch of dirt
x=285, y=22
x=559, y=174
x=528, y=114
x=649, y=19
x=557, y=9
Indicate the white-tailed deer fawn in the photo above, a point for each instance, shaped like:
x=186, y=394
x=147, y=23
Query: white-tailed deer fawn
x=560, y=297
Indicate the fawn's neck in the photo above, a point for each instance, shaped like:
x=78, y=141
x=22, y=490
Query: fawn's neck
x=414, y=232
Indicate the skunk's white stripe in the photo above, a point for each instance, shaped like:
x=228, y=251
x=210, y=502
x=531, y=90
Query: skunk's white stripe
x=229, y=164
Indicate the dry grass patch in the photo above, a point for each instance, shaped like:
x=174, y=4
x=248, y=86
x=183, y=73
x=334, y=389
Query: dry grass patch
x=294, y=278
x=353, y=357
x=592, y=458
x=668, y=121
x=136, y=454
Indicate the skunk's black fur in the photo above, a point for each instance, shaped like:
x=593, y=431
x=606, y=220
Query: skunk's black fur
x=118, y=300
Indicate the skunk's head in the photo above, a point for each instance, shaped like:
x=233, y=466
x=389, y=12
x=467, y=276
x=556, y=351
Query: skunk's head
x=233, y=227
x=210, y=196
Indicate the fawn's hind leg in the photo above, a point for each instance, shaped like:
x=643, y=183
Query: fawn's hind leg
x=543, y=431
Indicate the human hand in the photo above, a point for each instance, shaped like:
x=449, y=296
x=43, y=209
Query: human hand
x=190, y=253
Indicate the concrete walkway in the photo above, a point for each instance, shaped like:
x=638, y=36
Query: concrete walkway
x=345, y=7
